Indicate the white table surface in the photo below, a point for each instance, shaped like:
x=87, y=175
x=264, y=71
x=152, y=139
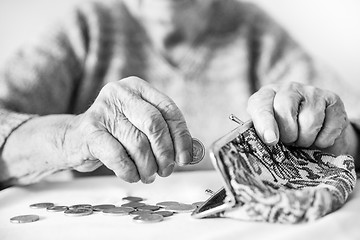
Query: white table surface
x=187, y=187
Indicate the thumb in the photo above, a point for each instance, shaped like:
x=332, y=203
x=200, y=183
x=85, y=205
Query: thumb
x=260, y=108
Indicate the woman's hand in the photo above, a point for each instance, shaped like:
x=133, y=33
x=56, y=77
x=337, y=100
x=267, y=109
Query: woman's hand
x=132, y=129
x=301, y=115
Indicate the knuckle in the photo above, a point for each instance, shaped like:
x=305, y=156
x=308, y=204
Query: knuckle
x=262, y=99
x=141, y=140
x=334, y=96
x=254, y=98
x=133, y=79
x=169, y=108
x=165, y=156
x=133, y=82
x=109, y=87
x=155, y=124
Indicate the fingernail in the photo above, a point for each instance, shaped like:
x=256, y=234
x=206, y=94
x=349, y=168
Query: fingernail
x=168, y=170
x=184, y=158
x=269, y=136
x=151, y=179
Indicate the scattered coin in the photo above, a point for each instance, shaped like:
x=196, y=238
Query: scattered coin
x=141, y=212
x=57, y=209
x=133, y=204
x=167, y=203
x=42, y=205
x=24, y=219
x=118, y=211
x=148, y=207
x=78, y=212
x=81, y=206
x=102, y=207
x=181, y=208
x=148, y=218
x=198, y=151
x=144, y=210
x=164, y=213
x=133, y=199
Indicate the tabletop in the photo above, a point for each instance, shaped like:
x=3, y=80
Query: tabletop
x=185, y=187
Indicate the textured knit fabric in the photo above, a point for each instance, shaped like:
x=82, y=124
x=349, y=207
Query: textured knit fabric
x=241, y=50
x=282, y=184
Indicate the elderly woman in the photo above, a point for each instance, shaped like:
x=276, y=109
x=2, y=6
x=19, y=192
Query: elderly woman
x=69, y=101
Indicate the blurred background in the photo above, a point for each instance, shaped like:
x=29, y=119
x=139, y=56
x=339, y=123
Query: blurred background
x=329, y=29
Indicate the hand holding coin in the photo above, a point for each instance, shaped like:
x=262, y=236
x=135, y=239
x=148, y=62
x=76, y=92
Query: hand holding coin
x=133, y=129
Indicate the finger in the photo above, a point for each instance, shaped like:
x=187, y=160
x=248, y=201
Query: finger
x=179, y=133
x=138, y=147
x=286, y=106
x=111, y=153
x=335, y=121
x=311, y=117
x=148, y=120
x=260, y=108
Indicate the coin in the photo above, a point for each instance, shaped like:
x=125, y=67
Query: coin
x=148, y=207
x=148, y=218
x=167, y=203
x=42, y=205
x=78, y=212
x=80, y=206
x=24, y=219
x=141, y=212
x=133, y=199
x=181, y=208
x=164, y=213
x=118, y=211
x=102, y=207
x=57, y=209
x=198, y=151
x=133, y=204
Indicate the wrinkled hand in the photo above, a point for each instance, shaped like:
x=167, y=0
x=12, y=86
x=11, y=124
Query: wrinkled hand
x=132, y=129
x=300, y=115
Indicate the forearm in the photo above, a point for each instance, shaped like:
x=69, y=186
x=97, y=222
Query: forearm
x=34, y=150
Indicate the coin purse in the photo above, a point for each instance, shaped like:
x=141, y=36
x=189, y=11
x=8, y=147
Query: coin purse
x=277, y=184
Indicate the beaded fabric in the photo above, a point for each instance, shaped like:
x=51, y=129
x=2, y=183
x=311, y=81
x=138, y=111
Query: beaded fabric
x=283, y=184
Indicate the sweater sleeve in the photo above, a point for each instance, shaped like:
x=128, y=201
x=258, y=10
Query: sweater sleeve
x=42, y=77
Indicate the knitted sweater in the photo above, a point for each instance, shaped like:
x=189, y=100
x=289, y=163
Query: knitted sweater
x=241, y=50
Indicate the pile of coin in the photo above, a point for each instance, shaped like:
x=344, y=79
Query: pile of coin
x=135, y=206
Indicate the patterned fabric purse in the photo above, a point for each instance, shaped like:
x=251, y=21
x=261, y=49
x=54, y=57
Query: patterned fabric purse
x=278, y=184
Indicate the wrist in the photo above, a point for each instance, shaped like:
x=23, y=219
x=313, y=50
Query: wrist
x=69, y=141
x=32, y=151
